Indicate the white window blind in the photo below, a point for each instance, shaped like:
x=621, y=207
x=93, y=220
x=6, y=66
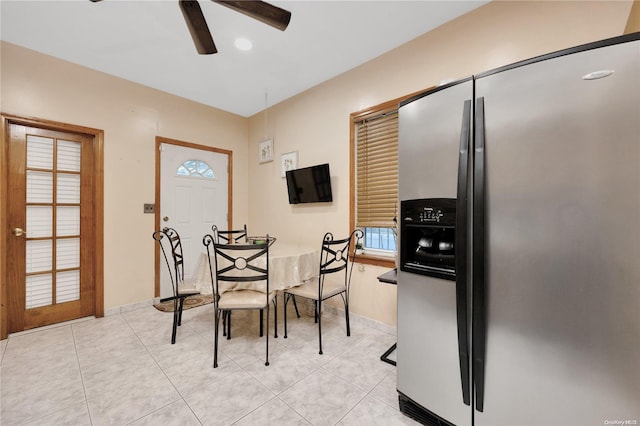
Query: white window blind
x=39, y=256
x=68, y=156
x=68, y=188
x=39, y=221
x=68, y=253
x=39, y=290
x=39, y=187
x=39, y=152
x=67, y=286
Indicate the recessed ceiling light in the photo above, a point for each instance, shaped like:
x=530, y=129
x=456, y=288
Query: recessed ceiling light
x=243, y=44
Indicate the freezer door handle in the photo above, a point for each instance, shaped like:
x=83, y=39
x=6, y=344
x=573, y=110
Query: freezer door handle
x=479, y=302
x=461, y=252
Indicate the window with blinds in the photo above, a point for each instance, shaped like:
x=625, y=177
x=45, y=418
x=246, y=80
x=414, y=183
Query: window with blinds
x=376, y=179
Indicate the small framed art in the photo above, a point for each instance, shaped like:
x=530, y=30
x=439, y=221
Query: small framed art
x=265, y=151
x=289, y=161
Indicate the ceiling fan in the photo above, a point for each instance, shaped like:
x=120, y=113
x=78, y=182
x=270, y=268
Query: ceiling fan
x=259, y=10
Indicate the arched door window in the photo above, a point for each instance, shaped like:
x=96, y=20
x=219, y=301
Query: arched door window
x=195, y=168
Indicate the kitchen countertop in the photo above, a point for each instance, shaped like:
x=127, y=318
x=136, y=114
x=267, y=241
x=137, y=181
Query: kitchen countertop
x=390, y=277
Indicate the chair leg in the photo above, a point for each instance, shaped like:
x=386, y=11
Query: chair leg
x=315, y=311
x=275, y=317
x=175, y=327
x=295, y=305
x=180, y=311
x=261, y=322
x=346, y=314
x=174, y=331
x=286, y=298
x=319, y=319
x=345, y=300
x=266, y=363
x=224, y=323
x=215, y=339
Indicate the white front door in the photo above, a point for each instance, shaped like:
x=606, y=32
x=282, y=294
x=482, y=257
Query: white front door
x=194, y=193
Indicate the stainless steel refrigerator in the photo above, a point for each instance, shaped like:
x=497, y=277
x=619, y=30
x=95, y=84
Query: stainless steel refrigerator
x=519, y=272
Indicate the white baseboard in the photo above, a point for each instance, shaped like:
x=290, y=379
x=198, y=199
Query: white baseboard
x=129, y=307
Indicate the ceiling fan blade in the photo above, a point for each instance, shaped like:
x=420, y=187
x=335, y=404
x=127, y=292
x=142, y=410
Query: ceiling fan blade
x=262, y=11
x=198, y=27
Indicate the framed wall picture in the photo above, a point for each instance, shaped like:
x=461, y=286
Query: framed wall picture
x=289, y=161
x=265, y=151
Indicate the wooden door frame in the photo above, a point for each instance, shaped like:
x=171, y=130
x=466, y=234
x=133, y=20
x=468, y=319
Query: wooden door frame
x=160, y=140
x=97, y=200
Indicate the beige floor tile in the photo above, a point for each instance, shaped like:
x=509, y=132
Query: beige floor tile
x=229, y=399
x=322, y=398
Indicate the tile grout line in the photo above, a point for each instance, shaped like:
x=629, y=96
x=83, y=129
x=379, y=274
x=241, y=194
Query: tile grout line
x=84, y=388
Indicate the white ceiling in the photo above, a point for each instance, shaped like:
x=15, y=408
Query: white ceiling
x=147, y=42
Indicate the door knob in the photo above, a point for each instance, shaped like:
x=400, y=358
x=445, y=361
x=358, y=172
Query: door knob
x=166, y=218
x=18, y=232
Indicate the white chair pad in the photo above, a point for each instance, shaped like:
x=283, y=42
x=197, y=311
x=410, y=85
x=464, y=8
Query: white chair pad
x=244, y=299
x=309, y=290
x=187, y=290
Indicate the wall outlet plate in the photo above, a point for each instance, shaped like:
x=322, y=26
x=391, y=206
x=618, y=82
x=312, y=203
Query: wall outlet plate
x=149, y=208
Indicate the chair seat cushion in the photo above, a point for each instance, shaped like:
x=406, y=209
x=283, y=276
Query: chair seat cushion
x=309, y=290
x=244, y=299
x=187, y=291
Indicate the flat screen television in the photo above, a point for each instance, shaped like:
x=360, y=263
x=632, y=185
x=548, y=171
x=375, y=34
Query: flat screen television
x=309, y=185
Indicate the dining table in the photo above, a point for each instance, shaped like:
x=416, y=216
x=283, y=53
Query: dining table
x=290, y=265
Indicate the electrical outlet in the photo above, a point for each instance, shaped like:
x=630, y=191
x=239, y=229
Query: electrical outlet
x=361, y=267
x=149, y=208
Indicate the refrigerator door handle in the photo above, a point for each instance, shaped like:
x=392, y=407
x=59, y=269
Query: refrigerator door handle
x=461, y=252
x=479, y=284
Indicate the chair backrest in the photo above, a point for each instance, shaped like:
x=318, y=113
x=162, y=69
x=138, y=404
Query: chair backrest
x=337, y=256
x=237, y=263
x=169, y=241
x=230, y=236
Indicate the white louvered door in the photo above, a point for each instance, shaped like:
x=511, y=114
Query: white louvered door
x=50, y=266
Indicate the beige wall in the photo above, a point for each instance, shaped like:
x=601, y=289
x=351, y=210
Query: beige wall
x=131, y=116
x=316, y=123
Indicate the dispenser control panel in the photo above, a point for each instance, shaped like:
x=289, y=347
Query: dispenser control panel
x=430, y=215
x=428, y=237
x=440, y=211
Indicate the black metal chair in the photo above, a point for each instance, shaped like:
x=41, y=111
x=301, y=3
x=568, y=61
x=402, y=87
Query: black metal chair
x=230, y=236
x=239, y=263
x=169, y=242
x=335, y=257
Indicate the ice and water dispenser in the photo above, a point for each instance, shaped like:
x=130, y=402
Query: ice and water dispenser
x=427, y=237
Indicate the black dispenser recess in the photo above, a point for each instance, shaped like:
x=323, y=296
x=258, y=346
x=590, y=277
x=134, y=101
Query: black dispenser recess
x=427, y=237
